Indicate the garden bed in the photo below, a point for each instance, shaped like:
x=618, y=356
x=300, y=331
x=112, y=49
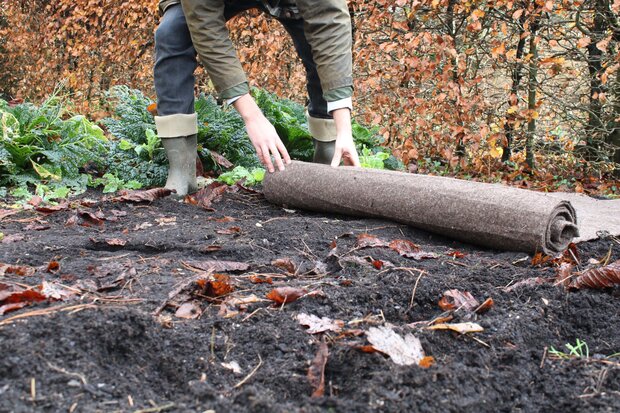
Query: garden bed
x=112, y=341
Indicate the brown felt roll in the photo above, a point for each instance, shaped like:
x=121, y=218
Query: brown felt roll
x=491, y=215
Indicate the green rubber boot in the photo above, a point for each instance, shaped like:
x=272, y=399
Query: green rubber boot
x=323, y=133
x=323, y=152
x=178, y=137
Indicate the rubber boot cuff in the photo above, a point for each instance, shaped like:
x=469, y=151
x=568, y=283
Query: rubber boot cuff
x=175, y=126
x=323, y=130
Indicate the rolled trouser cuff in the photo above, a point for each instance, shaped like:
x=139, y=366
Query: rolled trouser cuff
x=174, y=126
x=323, y=130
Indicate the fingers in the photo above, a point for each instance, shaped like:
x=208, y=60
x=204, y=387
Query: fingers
x=266, y=158
x=277, y=157
x=353, y=159
x=337, y=157
x=283, y=151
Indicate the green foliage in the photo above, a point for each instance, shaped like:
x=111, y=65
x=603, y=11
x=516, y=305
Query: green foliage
x=289, y=120
x=252, y=177
x=47, y=147
x=111, y=183
x=131, y=117
x=375, y=160
x=222, y=130
x=580, y=350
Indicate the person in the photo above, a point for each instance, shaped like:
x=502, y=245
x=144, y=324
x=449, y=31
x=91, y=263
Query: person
x=321, y=34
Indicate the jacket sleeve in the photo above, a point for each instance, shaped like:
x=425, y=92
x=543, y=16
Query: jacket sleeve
x=207, y=25
x=327, y=24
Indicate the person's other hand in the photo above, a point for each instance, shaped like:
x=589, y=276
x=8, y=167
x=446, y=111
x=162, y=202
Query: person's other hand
x=262, y=134
x=345, y=151
x=345, y=146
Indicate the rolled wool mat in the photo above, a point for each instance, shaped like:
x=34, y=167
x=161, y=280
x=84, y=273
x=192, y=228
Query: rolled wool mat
x=490, y=215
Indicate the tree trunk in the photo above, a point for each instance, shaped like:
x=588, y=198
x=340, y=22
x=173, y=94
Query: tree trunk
x=514, y=90
x=531, y=95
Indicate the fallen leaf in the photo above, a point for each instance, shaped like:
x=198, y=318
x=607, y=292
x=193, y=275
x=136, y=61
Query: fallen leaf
x=223, y=219
x=219, y=286
x=405, y=351
x=152, y=109
x=229, y=231
x=456, y=254
x=455, y=299
x=73, y=220
x=218, y=265
x=189, y=311
x=50, y=209
x=220, y=160
x=319, y=325
x=21, y=270
x=53, y=267
x=8, y=239
x=116, y=242
x=212, y=248
x=286, y=264
x=7, y=212
x=564, y=274
x=528, y=282
x=378, y=264
x=233, y=365
x=88, y=218
x=367, y=349
x=408, y=249
x=42, y=226
x=369, y=241
x=485, y=306
x=148, y=195
x=602, y=277
x=316, y=372
x=261, y=279
x=207, y=195
x=461, y=328
x=12, y=307
x=166, y=221
x=56, y=291
x=35, y=200
x=286, y=295
x=426, y=362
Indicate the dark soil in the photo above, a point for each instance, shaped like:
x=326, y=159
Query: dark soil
x=110, y=353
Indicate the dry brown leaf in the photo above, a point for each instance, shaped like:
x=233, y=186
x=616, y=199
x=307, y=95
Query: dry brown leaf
x=602, y=277
x=220, y=160
x=116, y=242
x=456, y=254
x=455, y=299
x=316, y=372
x=148, y=195
x=21, y=270
x=188, y=310
x=319, y=325
x=7, y=212
x=405, y=351
x=229, y=231
x=485, y=306
x=53, y=267
x=56, y=291
x=207, y=195
x=219, y=286
x=286, y=295
x=212, y=248
x=426, y=362
x=369, y=241
x=461, y=328
x=218, y=265
x=564, y=274
x=50, y=209
x=528, y=282
x=286, y=264
x=261, y=279
x=88, y=219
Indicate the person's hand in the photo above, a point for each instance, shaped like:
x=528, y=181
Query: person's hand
x=345, y=146
x=262, y=134
x=267, y=143
x=345, y=151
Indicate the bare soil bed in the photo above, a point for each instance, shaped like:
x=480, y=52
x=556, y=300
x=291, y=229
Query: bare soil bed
x=112, y=341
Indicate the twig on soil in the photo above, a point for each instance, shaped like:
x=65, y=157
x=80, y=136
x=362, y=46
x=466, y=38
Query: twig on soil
x=157, y=409
x=249, y=376
x=33, y=389
x=68, y=373
x=50, y=310
x=415, y=287
x=544, y=357
x=273, y=219
x=115, y=257
x=212, y=343
x=478, y=340
x=251, y=314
